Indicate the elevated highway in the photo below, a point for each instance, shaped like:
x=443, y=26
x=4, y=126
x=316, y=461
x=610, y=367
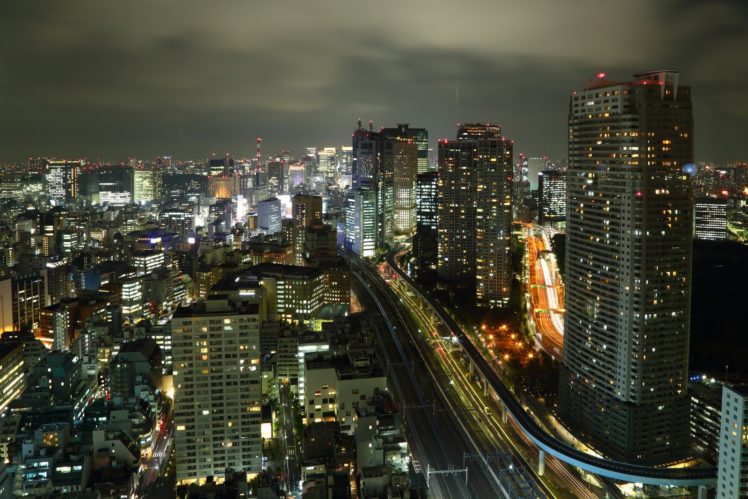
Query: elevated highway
x=702, y=477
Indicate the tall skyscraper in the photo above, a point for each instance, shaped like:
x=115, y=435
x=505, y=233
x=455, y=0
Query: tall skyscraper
x=62, y=180
x=403, y=154
x=420, y=136
x=388, y=163
x=360, y=222
x=305, y=210
x=424, y=242
x=475, y=211
x=628, y=267
x=710, y=219
x=551, y=197
x=732, y=474
x=217, y=392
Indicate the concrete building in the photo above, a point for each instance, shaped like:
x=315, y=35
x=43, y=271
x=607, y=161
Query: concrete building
x=710, y=219
x=360, y=222
x=217, y=389
x=13, y=381
x=732, y=473
x=623, y=384
x=551, y=197
x=62, y=181
x=475, y=211
x=269, y=216
x=335, y=386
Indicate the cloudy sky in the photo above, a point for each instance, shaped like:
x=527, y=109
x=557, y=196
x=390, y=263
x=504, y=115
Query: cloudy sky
x=108, y=80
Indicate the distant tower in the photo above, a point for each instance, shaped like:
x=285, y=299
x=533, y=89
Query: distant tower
x=258, y=154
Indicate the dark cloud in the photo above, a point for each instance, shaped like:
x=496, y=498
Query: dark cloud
x=108, y=80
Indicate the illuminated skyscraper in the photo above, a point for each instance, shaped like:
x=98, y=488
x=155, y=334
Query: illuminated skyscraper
x=551, y=197
x=475, y=211
x=420, y=136
x=403, y=155
x=360, y=222
x=387, y=163
x=62, y=181
x=628, y=267
x=305, y=210
x=424, y=242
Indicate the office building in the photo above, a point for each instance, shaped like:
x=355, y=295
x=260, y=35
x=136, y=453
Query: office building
x=28, y=300
x=360, y=222
x=217, y=389
x=420, y=136
x=404, y=157
x=628, y=267
x=305, y=209
x=387, y=162
x=269, y=215
x=13, y=380
x=706, y=415
x=62, y=181
x=146, y=185
x=710, y=219
x=298, y=294
x=177, y=221
x=424, y=242
x=732, y=472
x=551, y=197
x=475, y=211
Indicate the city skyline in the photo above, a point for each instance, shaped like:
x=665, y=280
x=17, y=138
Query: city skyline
x=90, y=80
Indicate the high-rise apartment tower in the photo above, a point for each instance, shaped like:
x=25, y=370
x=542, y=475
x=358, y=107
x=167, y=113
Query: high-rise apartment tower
x=628, y=267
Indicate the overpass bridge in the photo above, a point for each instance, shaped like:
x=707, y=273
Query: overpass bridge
x=702, y=477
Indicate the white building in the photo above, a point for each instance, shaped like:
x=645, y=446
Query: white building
x=335, y=386
x=732, y=474
x=710, y=219
x=217, y=389
x=147, y=261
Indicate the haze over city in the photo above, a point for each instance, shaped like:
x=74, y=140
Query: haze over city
x=108, y=80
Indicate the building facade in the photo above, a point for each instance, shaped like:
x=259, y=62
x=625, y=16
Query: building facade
x=217, y=389
x=551, y=197
x=710, y=219
x=623, y=383
x=269, y=215
x=360, y=222
x=475, y=211
x=732, y=471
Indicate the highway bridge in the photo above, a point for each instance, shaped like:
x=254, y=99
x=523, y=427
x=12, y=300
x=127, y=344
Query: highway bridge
x=701, y=477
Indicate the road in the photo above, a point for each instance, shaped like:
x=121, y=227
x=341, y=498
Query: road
x=546, y=293
x=628, y=472
x=434, y=434
x=500, y=435
x=288, y=439
x=160, y=452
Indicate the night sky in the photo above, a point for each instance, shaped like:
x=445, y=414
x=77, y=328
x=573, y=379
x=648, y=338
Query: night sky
x=108, y=80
